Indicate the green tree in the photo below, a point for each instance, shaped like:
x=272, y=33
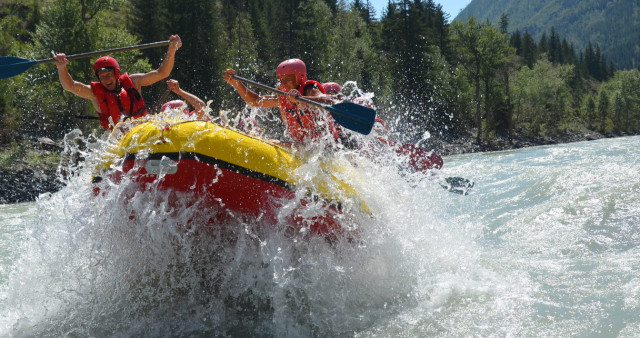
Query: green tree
x=410, y=36
x=515, y=40
x=503, y=120
x=529, y=49
x=603, y=109
x=542, y=96
x=630, y=94
x=264, y=17
x=312, y=25
x=543, y=44
x=482, y=50
x=203, y=56
x=618, y=111
x=555, y=48
x=589, y=110
x=284, y=24
x=351, y=48
x=17, y=20
x=243, y=52
x=366, y=10
x=72, y=27
x=495, y=76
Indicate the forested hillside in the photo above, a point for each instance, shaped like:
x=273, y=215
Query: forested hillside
x=464, y=79
x=612, y=24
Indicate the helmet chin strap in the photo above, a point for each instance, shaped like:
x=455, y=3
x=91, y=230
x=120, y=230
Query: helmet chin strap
x=117, y=88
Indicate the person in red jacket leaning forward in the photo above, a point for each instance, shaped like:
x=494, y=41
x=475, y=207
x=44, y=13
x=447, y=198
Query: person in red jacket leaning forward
x=304, y=124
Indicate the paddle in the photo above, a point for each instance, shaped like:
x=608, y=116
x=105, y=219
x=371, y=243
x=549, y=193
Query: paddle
x=457, y=185
x=164, y=97
x=12, y=65
x=348, y=114
x=87, y=117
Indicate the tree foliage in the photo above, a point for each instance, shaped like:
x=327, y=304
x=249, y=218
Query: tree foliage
x=73, y=28
x=426, y=74
x=613, y=25
x=481, y=50
x=542, y=96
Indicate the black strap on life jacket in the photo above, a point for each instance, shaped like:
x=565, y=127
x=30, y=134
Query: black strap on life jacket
x=132, y=93
x=122, y=112
x=105, y=115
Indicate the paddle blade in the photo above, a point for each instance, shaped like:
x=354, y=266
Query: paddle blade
x=12, y=66
x=457, y=185
x=353, y=116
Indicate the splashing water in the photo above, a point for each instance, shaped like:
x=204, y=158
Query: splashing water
x=545, y=245
x=132, y=262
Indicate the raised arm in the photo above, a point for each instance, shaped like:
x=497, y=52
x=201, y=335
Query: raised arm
x=147, y=79
x=193, y=100
x=248, y=95
x=78, y=88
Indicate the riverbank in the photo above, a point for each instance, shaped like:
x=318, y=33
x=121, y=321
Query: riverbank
x=28, y=170
x=467, y=143
x=32, y=169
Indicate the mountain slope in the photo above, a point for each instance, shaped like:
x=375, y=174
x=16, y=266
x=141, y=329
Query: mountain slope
x=612, y=24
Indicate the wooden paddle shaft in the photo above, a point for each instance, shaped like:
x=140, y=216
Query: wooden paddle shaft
x=164, y=96
x=347, y=114
x=277, y=91
x=115, y=50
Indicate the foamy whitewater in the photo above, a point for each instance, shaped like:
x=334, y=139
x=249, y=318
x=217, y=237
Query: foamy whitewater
x=545, y=244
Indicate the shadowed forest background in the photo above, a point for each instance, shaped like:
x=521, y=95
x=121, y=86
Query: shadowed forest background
x=468, y=78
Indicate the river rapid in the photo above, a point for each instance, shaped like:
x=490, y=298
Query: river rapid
x=545, y=244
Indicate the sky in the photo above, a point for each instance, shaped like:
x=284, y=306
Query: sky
x=453, y=7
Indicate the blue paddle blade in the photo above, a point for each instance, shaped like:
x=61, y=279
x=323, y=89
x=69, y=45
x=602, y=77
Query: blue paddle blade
x=12, y=66
x=353, y=116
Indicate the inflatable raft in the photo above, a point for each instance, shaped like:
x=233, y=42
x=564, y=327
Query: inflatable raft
x=223, y=167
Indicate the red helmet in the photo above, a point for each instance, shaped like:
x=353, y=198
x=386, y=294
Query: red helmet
x=107, y=62
x=293, y=66
x=332, y=88
x=380, y=122
x=380, y=128
x=311, y=83
x=176, y=105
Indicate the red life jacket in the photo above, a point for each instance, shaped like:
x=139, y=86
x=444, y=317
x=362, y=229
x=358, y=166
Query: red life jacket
x=304, y=124
x=127, y=102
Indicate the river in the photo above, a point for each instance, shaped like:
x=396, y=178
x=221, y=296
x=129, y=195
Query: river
x=546, y=244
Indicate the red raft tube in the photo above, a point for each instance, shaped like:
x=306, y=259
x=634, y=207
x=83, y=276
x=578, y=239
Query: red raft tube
x=225, y=168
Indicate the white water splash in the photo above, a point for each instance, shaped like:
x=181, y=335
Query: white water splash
x=545, y=245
